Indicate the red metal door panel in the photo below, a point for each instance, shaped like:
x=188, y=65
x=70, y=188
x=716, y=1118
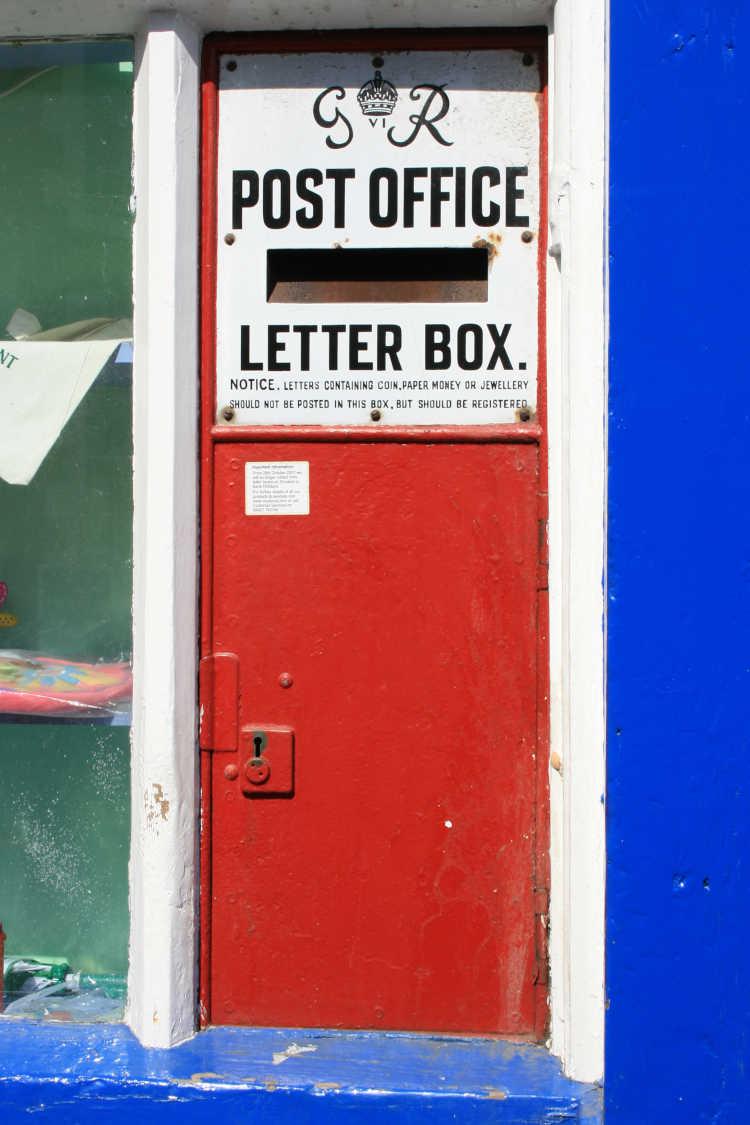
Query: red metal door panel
x=395, y=887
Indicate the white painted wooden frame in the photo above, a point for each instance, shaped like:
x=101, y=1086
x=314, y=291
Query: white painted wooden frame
x=164, y=819
x=576, y=380
x=163, y=868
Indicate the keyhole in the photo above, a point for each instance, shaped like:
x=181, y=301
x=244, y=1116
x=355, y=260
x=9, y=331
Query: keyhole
x=258, y=741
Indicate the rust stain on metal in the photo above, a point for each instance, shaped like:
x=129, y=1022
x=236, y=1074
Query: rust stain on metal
x=525, y=414
x=555, y=761
x=495, y=1094
x=491, y=244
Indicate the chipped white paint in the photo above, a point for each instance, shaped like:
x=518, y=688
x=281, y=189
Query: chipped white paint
x=163, y=868
x=163, y=894
x=289, y=1052
x=448, y=823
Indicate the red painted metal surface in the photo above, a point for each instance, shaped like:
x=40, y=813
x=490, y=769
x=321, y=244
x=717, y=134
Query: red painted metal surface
x=404, y=884
x=395, y=888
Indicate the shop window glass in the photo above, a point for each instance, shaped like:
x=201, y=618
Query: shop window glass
x=66, y=509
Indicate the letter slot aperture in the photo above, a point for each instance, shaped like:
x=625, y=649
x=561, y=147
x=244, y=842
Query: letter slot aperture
x=411, y=275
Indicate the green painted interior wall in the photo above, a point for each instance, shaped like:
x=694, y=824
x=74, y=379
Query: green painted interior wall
x=65, y=186
x=66, y=546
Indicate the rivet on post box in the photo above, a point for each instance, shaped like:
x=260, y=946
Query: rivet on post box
x=376, y=842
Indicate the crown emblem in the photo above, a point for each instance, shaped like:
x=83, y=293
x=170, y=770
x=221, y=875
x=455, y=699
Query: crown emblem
x=377, y=97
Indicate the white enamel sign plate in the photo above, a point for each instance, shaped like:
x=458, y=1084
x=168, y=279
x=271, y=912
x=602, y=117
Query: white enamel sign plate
x=423, y=153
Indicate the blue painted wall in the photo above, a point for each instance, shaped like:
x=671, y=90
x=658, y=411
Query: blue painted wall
x=679, y=564
x=679, y=663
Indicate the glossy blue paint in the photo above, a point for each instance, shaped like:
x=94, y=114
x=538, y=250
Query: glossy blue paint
x=102, y=1074
x=679, y=564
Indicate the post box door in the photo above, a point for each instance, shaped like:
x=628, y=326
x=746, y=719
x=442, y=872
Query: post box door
x=393, y=630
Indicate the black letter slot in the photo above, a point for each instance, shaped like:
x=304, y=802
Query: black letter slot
x=431, y=274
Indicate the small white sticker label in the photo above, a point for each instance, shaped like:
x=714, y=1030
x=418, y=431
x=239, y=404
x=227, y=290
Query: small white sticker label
x=277, y=488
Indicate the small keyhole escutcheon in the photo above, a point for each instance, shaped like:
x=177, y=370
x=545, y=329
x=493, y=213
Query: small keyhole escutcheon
x=257, y=770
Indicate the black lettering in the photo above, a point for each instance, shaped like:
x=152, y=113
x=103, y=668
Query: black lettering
x=281, y=177
x=411, y=195
x=331, y=122
x=482, y=218
x=377, y=218
x=356, y=346
x=389, y=348
x=498, y=339
x=245, y=364
x=421, y=120
x=437, y=342
x=339, y=177
x=275, y=346
x=460, y=197
x=245, y=191
x=465, y=332
x=334, y=331
x=437, y=195
x=305, y=331
x=315, y=217
x=512, y=193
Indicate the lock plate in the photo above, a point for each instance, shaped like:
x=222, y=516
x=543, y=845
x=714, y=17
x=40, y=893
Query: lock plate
x=266, y=760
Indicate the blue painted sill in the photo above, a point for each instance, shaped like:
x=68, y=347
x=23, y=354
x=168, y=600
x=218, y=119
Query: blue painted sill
x=76, y=1074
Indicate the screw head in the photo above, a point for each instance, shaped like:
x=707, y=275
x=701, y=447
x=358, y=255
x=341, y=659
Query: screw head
x=231, y=772
x=229, y=239
x=524, y=415
x=375, y=415
x=232, y=64
x=286, y=680
x=227, y=413
x=528, y=60
x=527, y=236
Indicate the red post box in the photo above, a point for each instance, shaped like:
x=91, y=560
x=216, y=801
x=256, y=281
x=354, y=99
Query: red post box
x=373, y=681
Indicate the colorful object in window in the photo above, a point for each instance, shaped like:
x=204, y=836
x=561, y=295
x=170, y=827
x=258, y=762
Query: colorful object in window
x=6, y=618
x=44, y=685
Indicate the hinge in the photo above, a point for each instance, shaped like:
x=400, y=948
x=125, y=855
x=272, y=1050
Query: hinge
x=219, y=679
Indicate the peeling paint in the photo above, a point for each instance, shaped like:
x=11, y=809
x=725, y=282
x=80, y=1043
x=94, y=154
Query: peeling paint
x=289, y=1052
x=156, y=804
